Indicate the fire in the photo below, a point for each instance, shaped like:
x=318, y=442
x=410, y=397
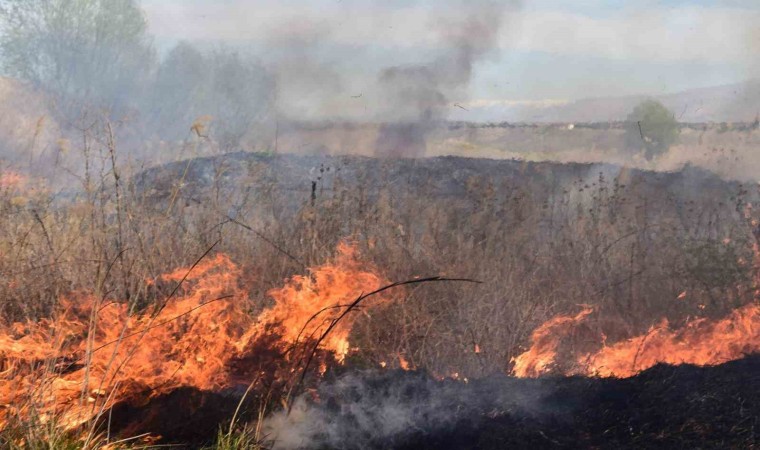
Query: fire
x=95, y=354
x=702, y=342
x=328, y=290
x=546, y=339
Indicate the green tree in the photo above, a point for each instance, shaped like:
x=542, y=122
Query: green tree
x=652, y=128
x=84, y=52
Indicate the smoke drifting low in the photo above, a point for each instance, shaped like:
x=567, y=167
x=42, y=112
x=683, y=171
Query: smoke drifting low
x=386, y=410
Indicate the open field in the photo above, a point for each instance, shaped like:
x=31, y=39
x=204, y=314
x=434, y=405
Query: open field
x=32, y=139
x=729, y=150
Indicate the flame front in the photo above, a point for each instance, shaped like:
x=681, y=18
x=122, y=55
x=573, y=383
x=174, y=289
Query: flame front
x=546, y=340
x=702, y=342
x=329, y=290
x=96, y=354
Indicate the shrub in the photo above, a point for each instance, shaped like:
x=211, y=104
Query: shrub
x=652, y=128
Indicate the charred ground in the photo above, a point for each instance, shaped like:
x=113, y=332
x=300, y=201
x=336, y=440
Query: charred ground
x=545, y=239
x=663, y=407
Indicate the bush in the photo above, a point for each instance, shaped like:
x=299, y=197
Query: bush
x=652, y=128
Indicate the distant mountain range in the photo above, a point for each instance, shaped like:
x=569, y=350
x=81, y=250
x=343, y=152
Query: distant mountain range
x=730, y=103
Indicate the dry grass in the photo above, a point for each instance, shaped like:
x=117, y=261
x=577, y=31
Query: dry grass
x=540, y=250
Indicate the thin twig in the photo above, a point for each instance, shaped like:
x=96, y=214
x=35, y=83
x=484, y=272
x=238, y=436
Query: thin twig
x=256, y=232
x=352, y=306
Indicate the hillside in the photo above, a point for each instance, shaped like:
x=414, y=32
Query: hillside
x=729, y=103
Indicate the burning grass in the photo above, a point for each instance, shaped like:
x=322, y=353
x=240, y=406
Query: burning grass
x=94, y=355
x=98, y=372
x=115, y=327
x=701, y=342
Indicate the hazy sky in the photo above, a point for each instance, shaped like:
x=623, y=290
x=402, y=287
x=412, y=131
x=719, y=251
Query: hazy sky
x=548, y=49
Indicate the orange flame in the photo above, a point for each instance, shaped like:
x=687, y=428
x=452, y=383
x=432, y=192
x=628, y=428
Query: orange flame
x=90, y=361
x=546, y=339
x=701, y=342
x=328, y=290
x=95, y=354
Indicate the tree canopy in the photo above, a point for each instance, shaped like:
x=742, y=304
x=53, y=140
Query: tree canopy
x=96, y=55
x=84, y=52
x=652, y=128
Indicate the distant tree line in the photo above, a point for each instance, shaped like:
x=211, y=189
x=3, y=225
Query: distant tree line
x=650, y=129
x=96, y=56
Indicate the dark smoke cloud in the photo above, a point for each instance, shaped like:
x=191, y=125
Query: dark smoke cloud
x=417, y=96
x=416, y=93
x=407, y=99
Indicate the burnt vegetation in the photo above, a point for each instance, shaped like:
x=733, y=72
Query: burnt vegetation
x=543, y=238
x=663, y=407
x=187, y=261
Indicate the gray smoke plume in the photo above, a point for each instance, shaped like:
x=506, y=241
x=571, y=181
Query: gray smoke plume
x=306, y=74
x=417, y=96
x=384, y=410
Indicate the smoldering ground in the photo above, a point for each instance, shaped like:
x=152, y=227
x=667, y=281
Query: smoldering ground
x=662, y=407
x=388, y=409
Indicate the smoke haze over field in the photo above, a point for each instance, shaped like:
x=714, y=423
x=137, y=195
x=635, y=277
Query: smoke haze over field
x=416, y=96
x=483, y=60
x=255, y=76
x=545, y=51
